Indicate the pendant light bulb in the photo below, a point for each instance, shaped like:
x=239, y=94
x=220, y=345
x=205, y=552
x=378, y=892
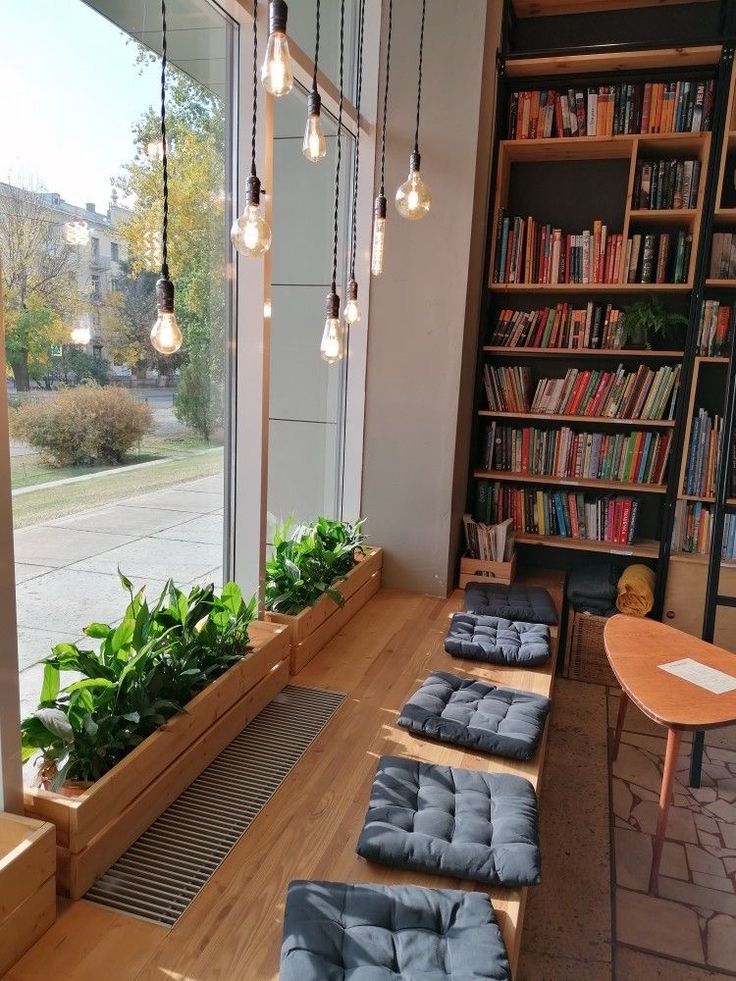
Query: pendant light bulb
x=379, y=235
x=314, y=146
x=277, y=74
x=82, y=332
x=166, y=334
x=251, y=233
x=332, y=348
x=352, y=310
x=413, y=198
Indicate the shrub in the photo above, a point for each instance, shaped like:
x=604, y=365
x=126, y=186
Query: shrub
x=308, y=561
x=146, y=669
x=85, y=425
x=197, y=403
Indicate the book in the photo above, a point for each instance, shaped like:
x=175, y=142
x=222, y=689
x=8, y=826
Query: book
x=714, y=328
x=640, y=394
x=666, y=184
x=692, y=530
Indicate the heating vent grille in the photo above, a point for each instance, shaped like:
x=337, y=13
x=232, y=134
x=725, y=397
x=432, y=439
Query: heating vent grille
x=162, y=872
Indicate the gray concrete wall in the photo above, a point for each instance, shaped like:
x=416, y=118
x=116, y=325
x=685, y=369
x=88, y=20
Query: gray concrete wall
x=424, y=308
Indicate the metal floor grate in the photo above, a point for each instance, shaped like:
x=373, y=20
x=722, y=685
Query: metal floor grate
x=162, y=872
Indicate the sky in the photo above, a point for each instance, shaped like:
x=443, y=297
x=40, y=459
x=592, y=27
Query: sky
x=71, y=92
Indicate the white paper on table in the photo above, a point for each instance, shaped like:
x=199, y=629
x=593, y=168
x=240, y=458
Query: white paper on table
x=717, y=682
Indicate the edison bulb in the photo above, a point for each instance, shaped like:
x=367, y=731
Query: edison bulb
x=251, y=234
x=379, y=236
x=277, y=74
x=82, y=333
x=332, y=348
x=352, y=310
x=314, y=146
x=413, y=198
x=166, y=334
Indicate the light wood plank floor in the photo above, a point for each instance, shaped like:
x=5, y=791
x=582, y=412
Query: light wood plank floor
x=309, y=829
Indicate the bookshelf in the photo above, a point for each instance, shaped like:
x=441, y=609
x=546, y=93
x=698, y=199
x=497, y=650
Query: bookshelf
x=569, y=182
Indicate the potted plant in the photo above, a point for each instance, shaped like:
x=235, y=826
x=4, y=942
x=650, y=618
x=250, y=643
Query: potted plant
x=167, y=689
x=647, y=320
x=318, y=576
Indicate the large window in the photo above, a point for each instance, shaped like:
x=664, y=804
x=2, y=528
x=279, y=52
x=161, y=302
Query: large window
x=77, y=341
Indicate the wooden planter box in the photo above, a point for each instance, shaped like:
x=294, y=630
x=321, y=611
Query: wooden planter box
x=94, y=829
x=476, y=570
x=27, y=885
x=310, y=630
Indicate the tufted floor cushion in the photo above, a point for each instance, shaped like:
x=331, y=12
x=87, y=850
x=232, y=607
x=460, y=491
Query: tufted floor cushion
x=472, y=713
x=530, y=604
x=497, y=640
x=447, y=821
x=339, y=932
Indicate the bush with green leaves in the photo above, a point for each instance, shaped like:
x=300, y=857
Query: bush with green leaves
x=146, y=669
x=84, y=425
x=308, y=560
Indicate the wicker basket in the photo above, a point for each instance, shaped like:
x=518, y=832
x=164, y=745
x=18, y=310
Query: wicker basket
x=585, y=656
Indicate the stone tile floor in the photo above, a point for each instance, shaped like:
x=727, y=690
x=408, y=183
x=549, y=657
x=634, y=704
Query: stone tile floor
x=692, y=917
x=66, y=569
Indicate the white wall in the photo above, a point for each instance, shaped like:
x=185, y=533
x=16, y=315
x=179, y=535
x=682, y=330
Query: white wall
x=419, y=352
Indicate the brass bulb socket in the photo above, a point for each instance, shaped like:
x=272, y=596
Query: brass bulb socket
x=277, y=15
x=332, y=306
x=253, y=190
x=165, y=295
x=415, y=160
x=352, y=290
x=379, y=206
x=314, y=103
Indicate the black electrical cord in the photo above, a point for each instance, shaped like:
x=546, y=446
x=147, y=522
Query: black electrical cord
x=385, y=98
x=316, y=50
x=164, y=155
x=358, y=92
x=339, y=149
x=419, y=83
x=255, y=91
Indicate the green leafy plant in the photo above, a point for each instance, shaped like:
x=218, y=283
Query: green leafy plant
x=145, y=670
x=646, y=320
x=308, y=560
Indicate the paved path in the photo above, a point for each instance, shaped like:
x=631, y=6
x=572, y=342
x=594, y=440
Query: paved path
x=66, y=569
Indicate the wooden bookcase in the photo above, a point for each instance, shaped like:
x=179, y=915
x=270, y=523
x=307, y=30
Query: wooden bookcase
x=599, y=153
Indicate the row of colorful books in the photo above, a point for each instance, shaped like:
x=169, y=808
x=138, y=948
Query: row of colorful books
x=527, y=252
x=637, y=457
x=610, y=110
x=693, y=530
x=507, y=389
x=723, y=256
x=570, y=514
x=702, y=454
x=642, y=394
x=666, y=184
x=489, y=543
x=662, y=258
x=714, y=328
x=597, y=325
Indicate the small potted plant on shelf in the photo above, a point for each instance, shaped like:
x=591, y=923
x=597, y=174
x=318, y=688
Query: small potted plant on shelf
x=147, y=710
x=318, y=575
x=648, y=320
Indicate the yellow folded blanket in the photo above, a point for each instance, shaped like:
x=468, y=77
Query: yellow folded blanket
x=636, y=591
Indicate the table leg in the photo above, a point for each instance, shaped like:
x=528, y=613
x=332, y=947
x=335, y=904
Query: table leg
x=665, y=794
x=622, y=706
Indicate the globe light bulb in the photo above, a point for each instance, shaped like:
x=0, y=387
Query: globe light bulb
x=379, y=235
x=277, y=74
x=314, y=146
x=352, y=310
x=166, y=334
x=332, y=348
x=251, y=233
x=413, y=198
x=82, y=331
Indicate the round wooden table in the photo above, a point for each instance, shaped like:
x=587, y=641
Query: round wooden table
x=642, y=654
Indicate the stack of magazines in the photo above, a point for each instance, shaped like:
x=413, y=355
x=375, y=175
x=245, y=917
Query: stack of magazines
x=489, y=543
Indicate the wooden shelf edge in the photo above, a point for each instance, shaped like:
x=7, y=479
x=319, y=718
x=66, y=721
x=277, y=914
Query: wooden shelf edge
x=595, y=419
x=611, y=62
x=585, y=482
x=729, y=284
x=599, y=287
x=583, y=351
x=644, y=548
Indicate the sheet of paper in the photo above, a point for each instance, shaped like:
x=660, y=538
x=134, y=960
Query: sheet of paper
x=701, y=675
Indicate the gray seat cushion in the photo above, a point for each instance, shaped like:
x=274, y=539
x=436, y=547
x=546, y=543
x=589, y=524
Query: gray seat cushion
x=472, y=713
x=447, y=821
x=339, y=932
x=530, y=604
x=497, y=640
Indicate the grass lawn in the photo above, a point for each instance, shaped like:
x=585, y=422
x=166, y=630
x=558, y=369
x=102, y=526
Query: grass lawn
x=183, y=458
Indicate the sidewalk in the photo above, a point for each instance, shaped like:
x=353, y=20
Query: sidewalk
x=66, y=569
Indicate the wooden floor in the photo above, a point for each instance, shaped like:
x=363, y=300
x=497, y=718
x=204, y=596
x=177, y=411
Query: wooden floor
x=309, y=829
